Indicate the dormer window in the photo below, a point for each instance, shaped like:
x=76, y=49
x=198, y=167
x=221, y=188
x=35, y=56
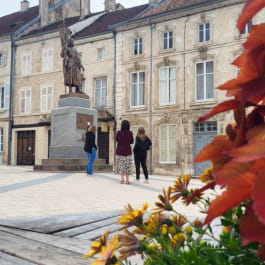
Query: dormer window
x=204, y=32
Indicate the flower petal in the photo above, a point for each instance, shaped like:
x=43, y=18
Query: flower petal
x=250, y=9
x=251, y=229
x=239, y=189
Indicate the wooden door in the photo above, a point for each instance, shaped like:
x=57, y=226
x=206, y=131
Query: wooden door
x=26, y=148
x=103, y=144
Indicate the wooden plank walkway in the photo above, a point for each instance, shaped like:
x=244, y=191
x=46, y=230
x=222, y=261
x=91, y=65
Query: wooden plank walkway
x=54, y=240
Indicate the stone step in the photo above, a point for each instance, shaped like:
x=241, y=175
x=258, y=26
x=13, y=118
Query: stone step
x=77, y=161
x=72, y=165
x=77, y=168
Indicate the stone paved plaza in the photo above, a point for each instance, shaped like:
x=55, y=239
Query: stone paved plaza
x=50, y=218
x=27, y=193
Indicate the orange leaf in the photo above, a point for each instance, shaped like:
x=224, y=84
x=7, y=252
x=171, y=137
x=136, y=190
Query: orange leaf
x=248, y=152
x=219, y=145
x=255, y=38
x=238, y=190
x=259, y=196
x=250, y=9
x=256, y=134
x=229, y=171
x=222, y=107
x=251, y=229
x=254, y=89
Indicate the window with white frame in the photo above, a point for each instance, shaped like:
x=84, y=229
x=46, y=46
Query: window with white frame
x=204, y=32
x=3, y=57
x=46, y=98
x=4, y=96
x=101, y=53
x=25, y=100
x=247, y=28
x=167, y=144
x=167, y=85
x=204, y=81
x=101, y=92
x=137, y=89
x=167, y=40
x=26, y=64
x=137, y=46
x=47, y=60
x=1, y=139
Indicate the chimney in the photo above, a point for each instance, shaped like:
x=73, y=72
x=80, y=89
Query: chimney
x=24, y=5
x=85, y=8
x=43, y=12
x=110, y=5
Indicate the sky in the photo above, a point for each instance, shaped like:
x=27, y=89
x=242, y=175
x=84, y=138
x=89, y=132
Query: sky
x=11, y=6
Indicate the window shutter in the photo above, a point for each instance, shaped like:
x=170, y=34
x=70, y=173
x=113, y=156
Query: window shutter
x=7, y=96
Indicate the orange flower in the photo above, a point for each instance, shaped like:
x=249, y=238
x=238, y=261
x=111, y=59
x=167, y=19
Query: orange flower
x=165, y=204
x=180, y=187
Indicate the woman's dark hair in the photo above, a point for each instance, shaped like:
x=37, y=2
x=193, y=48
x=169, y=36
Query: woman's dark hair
x=125, y=125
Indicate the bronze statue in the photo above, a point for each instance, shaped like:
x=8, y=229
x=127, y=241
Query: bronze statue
x=73, y=69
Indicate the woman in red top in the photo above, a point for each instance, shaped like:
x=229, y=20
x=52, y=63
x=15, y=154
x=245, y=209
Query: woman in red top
x=123, y=165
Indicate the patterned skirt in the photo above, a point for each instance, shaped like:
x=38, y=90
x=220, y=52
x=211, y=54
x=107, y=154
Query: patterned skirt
x=123, y=165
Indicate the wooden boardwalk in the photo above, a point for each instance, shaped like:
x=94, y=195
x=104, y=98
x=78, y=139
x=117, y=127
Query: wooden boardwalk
x=55, y=240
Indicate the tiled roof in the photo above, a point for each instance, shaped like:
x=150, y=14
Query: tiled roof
x=103, y=23
x=99, y=26
x=171, y=5
x=11, y=23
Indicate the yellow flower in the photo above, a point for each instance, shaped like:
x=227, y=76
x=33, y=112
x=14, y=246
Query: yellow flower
x=164, y=204
x=207, y=175
x=197, y=223
x=96, y=247
x=164, y=229
x=179, y=220
x=180, y=237
x=172, y=230
x=180, y=187
x=129, y=244
x=107, y=253
x=132, y=217
x=227, y=229
x=188, y=230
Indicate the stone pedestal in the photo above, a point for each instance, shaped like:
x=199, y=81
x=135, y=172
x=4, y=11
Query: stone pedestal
x=68, y=124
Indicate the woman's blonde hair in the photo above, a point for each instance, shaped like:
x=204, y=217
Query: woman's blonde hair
x=92, y=128
x=141, y=133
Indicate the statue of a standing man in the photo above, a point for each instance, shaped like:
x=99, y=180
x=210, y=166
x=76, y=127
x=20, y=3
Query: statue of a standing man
x=72, y=67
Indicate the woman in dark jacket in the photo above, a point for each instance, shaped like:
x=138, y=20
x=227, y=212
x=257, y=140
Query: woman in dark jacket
x=142, y=144
x=123, y=165
x=91, y=148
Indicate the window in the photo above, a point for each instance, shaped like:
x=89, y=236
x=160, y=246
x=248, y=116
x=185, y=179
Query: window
x=1, y=139
x=101, y=92
x=137, y=46
x=25, y=100
x=47, y=60
x=204, y=32
x=4, y=97
x=167, y=143
x=3, y=58
x=247, y=28
x=46, y=98
x=26, y=64
x=209, y=126
x=204, y=81
x=168, y=40
x=101, y=54
x=167, y=85
x=137, y=89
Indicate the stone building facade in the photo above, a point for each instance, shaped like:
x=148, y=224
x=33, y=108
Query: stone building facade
x=155, y=65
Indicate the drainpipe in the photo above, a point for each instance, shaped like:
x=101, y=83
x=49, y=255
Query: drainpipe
x=152, y=26
x=10, y=114
x=114, y=92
